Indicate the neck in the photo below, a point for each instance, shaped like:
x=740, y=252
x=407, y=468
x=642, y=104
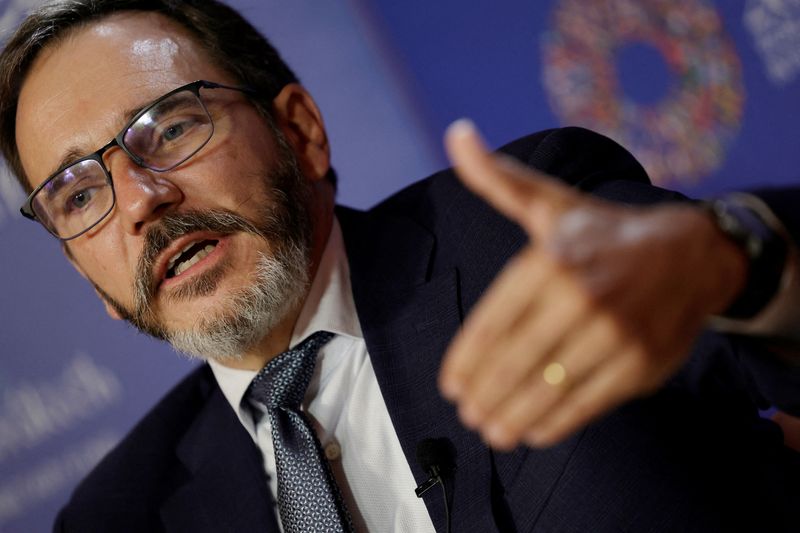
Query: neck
x=270, y=346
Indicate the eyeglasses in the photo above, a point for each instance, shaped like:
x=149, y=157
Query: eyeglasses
x=160, y=137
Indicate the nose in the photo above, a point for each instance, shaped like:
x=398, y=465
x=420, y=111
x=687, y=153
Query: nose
x=142, y=195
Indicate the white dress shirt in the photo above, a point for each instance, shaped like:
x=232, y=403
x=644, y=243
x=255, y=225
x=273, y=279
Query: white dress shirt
x=345, y=406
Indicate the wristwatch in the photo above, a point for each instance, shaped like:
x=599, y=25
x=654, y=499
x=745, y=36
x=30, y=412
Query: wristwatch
x=750, y=224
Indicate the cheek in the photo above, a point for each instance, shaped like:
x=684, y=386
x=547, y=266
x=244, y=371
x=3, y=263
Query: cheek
x=236, y=175
x=108, y=266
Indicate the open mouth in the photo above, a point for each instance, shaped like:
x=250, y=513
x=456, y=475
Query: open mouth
x=190, y=255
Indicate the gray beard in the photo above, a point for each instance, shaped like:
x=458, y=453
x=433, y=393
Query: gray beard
x=280, y=284
x=249, y=315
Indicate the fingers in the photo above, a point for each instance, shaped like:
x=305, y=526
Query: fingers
x=605, y=389
x=533, y=315
x=535, y=399
x=528, y=197
x=542, y=414
x=523, y=351
x=507, y=299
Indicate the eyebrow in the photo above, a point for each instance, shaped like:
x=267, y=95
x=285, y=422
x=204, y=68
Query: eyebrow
x=53, y=187
x=74, y=153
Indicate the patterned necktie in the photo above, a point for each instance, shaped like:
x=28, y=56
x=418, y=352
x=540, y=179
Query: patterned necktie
x=308, y=498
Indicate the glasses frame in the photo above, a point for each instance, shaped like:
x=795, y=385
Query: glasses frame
x=194, y=87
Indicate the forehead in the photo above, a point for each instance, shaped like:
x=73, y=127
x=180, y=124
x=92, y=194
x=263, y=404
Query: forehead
x=79, y=89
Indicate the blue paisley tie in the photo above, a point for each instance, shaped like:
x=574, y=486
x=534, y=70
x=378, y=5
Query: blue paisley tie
x=308, y=498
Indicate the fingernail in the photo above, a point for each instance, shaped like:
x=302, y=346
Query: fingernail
x=462, y=126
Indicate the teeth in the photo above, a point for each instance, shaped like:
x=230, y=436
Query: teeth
x=194, y=259
x=175, y=257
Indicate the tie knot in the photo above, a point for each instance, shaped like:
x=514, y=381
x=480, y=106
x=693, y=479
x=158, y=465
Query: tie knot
x=284, y=380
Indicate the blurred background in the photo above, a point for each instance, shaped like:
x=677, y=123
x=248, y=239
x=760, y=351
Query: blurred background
x=704, y=93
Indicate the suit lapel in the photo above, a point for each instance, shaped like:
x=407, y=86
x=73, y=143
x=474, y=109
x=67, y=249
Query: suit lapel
x=227, y=489
x=408, y=321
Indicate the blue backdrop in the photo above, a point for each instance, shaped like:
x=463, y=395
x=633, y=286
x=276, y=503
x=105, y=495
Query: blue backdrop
x=702, y=91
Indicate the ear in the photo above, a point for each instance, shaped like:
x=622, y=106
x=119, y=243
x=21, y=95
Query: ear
x=110, y=310
x=298, y=117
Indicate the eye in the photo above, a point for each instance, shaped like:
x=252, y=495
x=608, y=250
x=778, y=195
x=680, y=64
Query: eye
x=173, y=132
x=80, y=199
x=82, y=195
x=169, y=131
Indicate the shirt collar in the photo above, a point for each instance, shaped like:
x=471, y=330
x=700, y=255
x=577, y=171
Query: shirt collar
x=329, y=306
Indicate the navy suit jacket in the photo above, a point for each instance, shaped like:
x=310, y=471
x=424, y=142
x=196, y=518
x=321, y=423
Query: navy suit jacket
x=695, y=456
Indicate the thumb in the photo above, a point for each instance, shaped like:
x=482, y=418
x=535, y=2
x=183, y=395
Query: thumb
x=530, y=198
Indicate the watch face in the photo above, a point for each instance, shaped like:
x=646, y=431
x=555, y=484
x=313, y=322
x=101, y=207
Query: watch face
x=766, y=251
x=742, y=225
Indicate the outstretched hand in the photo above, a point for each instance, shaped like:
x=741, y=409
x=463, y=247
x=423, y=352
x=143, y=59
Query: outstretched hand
x=600, y=307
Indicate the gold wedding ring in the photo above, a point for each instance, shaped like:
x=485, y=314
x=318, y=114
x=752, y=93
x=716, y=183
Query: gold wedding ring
x=554, y=374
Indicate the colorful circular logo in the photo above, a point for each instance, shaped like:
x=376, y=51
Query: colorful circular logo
x=683, y=136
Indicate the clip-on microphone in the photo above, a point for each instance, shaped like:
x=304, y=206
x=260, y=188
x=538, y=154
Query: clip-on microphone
x=437, y=459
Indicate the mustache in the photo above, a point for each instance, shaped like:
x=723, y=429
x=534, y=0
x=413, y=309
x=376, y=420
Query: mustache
x=173, y=226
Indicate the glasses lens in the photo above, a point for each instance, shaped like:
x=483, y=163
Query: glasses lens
x=75, y=199
x=169, y=132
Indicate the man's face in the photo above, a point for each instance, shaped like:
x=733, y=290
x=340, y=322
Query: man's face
x=235, y=210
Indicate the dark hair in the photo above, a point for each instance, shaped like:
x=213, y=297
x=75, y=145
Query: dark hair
x=230, y=40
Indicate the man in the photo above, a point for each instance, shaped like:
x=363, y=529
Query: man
x=219, y=234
